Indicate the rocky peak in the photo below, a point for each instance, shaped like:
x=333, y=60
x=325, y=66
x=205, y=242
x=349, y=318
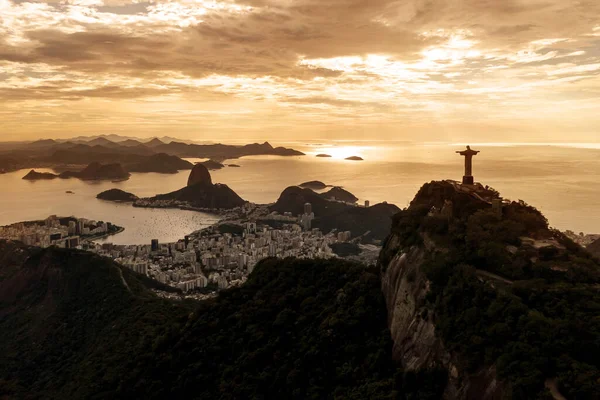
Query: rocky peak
x=199, y=175
x=459, y=263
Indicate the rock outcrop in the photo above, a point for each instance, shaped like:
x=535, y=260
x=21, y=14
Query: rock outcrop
x=477, y=288
x=293, y=199
x=199, y=175
x=339, y=194
x=405, y=286
x=372, y=224
x=417, y=347
x=202, y=193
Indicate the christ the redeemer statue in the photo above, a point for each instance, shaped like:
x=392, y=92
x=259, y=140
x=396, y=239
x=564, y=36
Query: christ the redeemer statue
x=468, y=154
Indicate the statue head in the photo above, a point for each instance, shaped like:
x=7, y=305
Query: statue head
x=468, y=147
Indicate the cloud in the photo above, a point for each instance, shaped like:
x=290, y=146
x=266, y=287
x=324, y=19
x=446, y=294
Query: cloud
x=394, y=60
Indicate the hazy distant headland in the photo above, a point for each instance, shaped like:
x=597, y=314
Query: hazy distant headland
x=93, y=172
x=133, y=155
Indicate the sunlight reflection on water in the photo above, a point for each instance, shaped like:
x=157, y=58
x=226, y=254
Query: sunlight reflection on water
x=564, y=182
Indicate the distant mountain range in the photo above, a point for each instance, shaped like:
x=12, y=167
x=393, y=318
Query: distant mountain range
x=156, y=155
x=123, y=139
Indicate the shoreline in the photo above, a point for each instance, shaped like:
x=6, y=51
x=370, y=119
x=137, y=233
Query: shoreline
x=104, y=236
x=215, y=211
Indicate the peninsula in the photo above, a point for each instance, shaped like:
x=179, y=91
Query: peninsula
x=339, y=194
x=369, y=225
x=160, y=163
x=94, y=171
x=213, y=165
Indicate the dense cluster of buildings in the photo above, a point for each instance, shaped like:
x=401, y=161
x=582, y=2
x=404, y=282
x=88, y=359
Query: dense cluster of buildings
x=219, y=257
x=61, y=232
x=212, y=259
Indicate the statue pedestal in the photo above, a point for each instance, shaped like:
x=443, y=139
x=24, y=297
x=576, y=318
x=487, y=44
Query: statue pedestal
x=468, y=180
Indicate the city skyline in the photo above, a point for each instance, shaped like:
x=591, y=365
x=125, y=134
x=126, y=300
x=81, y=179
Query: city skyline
x=516, y=71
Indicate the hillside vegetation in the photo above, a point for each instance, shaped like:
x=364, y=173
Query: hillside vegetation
x=507, y=291
x=72, y=328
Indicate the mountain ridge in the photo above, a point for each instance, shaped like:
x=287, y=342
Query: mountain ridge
x=90, y=328
x=487, y=293
x=127, y=151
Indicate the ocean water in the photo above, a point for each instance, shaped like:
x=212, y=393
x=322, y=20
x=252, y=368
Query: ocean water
x=563, y=181
x=25, y=200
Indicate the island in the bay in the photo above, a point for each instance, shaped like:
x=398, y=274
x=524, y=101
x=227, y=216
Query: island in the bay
x=117, y=195
x=314, y=185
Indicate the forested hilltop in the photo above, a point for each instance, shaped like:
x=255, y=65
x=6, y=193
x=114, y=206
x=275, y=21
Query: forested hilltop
x=77, y=326
x=515, y=305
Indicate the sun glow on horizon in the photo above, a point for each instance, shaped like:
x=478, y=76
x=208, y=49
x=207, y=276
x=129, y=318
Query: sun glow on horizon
x=342, y=152
x=287, y=69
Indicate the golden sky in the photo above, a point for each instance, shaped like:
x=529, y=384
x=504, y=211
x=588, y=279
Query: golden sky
x=417, y=70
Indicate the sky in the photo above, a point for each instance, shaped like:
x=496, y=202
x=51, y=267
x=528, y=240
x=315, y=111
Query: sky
x=414, y=70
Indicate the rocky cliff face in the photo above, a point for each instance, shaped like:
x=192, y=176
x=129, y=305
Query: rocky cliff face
x=412, y=325
x=483, y=292
x=594, y=248
x=199, y=175
x=411, y=319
